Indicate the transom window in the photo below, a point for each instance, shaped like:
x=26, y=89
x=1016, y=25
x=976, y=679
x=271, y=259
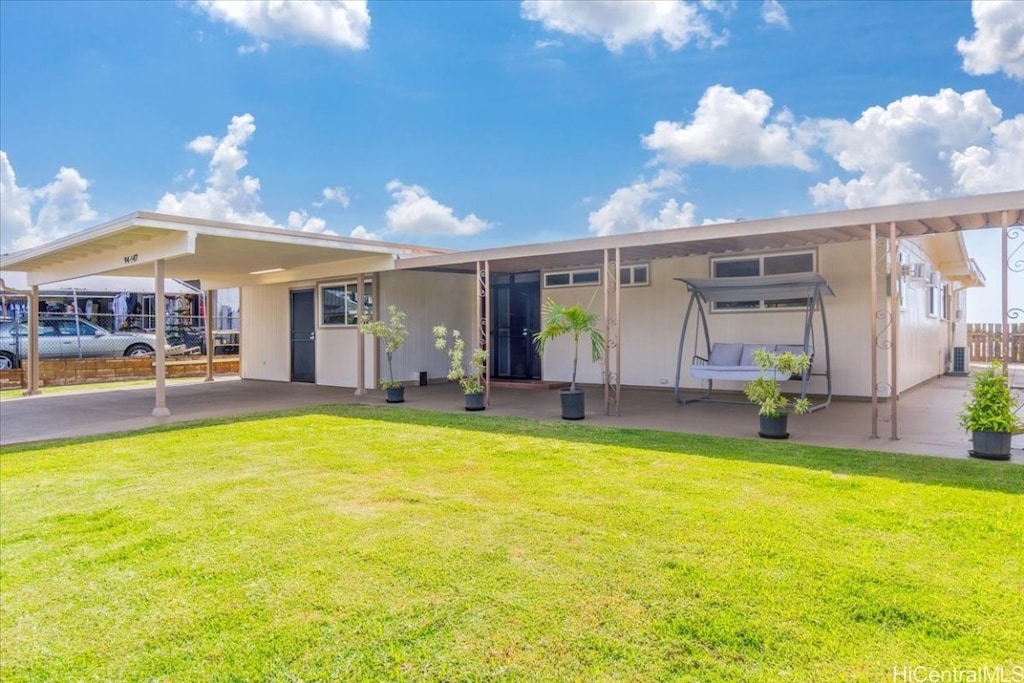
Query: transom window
x=766, y=264
x=572, y=278
x=340, y=306
x=634, y=275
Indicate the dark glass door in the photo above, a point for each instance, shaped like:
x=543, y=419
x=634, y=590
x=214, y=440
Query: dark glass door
x=303, y=336
x=515, y=312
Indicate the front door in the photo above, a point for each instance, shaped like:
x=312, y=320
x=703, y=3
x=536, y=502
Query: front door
x=515, y=311
x=303, y=336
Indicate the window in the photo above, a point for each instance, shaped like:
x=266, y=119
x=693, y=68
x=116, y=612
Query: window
x=768, y=264
x=634, y=275
x=572, y=278
x=936, y=300
x=339, y=303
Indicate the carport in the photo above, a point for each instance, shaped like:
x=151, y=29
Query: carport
x=217, y=254
x=883, y=227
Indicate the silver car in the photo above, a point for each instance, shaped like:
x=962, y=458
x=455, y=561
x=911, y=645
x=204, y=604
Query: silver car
x=71, y=337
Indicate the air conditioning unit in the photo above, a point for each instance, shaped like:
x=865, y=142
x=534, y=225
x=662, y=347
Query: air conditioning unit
x=911, y=270
x=959, y=361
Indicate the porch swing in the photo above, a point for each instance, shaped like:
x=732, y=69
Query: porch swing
x=734, y=361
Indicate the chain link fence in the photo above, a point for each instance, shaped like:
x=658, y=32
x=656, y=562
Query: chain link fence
x=67, y=336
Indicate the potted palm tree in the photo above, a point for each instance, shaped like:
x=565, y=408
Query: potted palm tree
x=574, y=321
x=991, y=414
x=393, y=333
x=774, y=407
x=472, y=382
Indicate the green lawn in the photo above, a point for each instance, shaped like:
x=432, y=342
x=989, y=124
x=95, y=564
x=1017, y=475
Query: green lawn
x=374, y=543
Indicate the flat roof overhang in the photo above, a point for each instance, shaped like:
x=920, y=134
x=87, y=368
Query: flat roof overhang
x=935, y=217
x=217, y=254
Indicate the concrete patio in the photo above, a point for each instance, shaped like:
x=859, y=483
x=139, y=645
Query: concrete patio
x=927, y=414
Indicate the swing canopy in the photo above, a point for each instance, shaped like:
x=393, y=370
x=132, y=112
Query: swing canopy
x=733, y=360
x=758, y=287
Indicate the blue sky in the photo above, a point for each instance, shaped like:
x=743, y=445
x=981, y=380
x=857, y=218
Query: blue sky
x=473, y=124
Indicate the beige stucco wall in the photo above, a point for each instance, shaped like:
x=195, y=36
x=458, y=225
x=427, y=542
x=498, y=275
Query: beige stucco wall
x=265, y=352
x=652, y=319
x=428, y=299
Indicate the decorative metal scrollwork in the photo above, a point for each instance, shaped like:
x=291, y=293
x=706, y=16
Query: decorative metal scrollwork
x=1015, y=313
x=882, y=338
x=1015, y=259
x=883, y=389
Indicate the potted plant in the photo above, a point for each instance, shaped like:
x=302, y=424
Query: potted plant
x=393, y=334
x=774, y=408
x=574, y=321
x=472, y=383
x=991, y=414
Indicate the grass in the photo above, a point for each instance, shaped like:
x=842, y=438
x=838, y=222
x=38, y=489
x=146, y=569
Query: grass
x=367, y=543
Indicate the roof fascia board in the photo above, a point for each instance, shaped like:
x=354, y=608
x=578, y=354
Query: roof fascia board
x=990, y=204
x=260, y=232
x=166, y=246
x=11, y=261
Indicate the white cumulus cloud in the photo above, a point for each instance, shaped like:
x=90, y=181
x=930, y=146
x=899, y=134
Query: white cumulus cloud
x=998, y=41
x=620, y=23
x=415, y=212
x=921, y=147
x=360, y=232
x=333, y=194
x=732, y=129
x=995, y=168
x=302, y=221
x=59, y=207
x=331, y=23
x=638, y=207
x=773, y=13
x=227, y=196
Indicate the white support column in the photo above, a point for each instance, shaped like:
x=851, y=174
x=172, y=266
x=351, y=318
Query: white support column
x=208, y=326
x=618, y=328
x=32, y=388
x=873, y=255
x=894, y=312
x=1005, y=267
x=361, y=338
x=485, y=329
x=606, y=281
x=160, y=409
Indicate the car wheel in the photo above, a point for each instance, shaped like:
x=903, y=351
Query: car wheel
x=138, y=350
x=8, y=361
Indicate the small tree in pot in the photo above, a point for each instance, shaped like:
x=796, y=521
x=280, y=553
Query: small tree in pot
x=774, y=408
x=472, y=383
x=393, y=333
x=991, y=414
x=574, y=321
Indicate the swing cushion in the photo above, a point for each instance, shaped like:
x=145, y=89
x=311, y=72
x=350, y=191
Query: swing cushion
x=735, y=361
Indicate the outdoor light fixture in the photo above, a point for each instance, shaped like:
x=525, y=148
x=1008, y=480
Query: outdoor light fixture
x=264, y=272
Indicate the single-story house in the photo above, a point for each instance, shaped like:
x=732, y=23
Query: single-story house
x=898, y=275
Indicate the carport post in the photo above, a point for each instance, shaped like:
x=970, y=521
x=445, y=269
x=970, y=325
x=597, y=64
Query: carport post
x=33, y=343
x=894, y=336
x=208, y=324
x=360, y=339
x=160, y=410
x=1006, y=293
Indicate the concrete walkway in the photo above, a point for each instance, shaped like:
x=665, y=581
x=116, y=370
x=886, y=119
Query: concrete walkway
x=926, y=416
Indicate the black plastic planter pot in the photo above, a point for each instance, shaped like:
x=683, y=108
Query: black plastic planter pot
x=572, y=404
x=475, y=402
x=774, y=427
x=991, y=445
x=395, y=394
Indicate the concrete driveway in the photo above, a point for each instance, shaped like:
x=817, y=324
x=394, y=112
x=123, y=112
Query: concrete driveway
x=927, y=414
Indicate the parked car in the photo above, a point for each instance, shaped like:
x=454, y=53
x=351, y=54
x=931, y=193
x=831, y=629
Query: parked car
x=73, y=337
